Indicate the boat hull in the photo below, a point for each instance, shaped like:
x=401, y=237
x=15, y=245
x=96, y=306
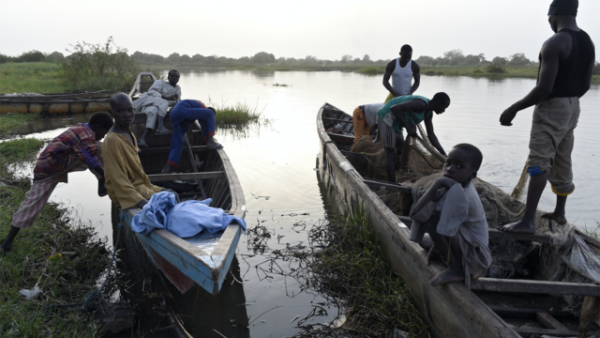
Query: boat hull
x=451, y=310
x=202, y=260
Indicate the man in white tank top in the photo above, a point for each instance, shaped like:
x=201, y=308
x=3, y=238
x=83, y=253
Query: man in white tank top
x=402, y=71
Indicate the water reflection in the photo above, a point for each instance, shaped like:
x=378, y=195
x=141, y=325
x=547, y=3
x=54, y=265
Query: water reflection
x=279, y=162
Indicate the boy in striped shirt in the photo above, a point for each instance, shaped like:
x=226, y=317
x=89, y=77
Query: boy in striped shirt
x=76, y=149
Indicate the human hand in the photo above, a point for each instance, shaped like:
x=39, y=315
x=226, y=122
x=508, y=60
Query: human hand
x=445, y=182
x=141, y=203
x=507, y=116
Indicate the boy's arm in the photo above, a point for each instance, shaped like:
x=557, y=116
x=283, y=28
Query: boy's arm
x=442, y=182
x=117, y=181
x=87, y=150
x=431, y=135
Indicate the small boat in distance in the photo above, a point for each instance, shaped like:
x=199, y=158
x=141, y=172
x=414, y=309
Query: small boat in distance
x=49, y=104
x=202, y=260
x=493, y=307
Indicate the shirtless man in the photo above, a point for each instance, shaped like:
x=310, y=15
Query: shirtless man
x=155, y=102
x=402, y=70
x=565, y=74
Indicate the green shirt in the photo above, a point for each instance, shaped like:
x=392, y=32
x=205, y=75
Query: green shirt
x=412, y=118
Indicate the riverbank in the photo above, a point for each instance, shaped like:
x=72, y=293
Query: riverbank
x=44, y=77
x=59, y=255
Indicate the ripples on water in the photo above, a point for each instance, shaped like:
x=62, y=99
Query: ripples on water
x=279, y=161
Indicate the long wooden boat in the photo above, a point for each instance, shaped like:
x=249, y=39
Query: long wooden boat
x=202, y=260
x=48, y=104
x=492, y=307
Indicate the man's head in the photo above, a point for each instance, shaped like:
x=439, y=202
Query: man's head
x=100, y=124
x=405, y=53
x=462, y=163
x=559, y=8
x=439, y=102
x=121, y=109
x=173, y=77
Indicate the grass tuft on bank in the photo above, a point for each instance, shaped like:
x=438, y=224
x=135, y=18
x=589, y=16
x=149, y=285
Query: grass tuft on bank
x=353, y=268
x=59, y=254
x=9, y=123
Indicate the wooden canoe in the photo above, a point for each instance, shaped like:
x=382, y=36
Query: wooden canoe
x=451, y=310
x=55, y=103
x=202, y=260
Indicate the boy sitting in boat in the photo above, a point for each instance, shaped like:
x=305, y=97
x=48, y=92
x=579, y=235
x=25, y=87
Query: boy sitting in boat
x=453, y=216
x=184, y=113
x=76, y=149
x=127, y=184
x=364, y=119
x=155, y=102
x=407, y=112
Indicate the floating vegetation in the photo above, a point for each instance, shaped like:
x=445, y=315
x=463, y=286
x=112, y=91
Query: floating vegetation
x=344, y=264
x=280, y=85
x=239, y=120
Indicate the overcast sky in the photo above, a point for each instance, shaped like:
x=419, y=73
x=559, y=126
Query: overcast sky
x=325, y=29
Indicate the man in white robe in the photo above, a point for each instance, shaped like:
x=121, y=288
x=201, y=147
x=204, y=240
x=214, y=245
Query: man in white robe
x=155, y=102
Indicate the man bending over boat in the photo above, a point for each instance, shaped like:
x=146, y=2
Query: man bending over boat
x=155, y=102
x=407, y=112
x=565, y=74
x=453, y=216
x=76, y=149
x=364, y=119
x=127, y=184
x=402, y=70
x=184, y=113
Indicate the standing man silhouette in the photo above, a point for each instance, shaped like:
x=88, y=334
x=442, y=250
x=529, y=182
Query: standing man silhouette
x=565, y=73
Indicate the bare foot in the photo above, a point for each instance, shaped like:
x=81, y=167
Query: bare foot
x=162, y=131
x=560, y=219
x=520, y=227
x=4, y=249
x=475, y=276
x=447, y=276
x=214, y=145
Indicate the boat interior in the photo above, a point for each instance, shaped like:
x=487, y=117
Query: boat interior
x=533, y=307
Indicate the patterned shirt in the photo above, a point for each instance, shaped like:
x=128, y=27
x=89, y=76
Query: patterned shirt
x=76, y=143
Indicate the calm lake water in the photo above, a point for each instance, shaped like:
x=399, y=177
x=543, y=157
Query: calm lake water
x=279, y=161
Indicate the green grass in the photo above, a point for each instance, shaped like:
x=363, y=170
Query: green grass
x=35, y=260
x=594, y=233
x=372, y=70
x=19, y=150
x=237, y=115
x=353, y=267
x=32, y=77
x=10, y=123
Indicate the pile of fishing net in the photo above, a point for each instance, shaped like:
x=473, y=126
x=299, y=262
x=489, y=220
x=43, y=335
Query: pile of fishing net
x=567, y=259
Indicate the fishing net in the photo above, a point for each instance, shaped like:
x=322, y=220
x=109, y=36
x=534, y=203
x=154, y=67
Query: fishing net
x=567, y=259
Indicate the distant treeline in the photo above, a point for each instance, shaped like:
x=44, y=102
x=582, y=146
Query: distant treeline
x=450, y=58
x=453, y=58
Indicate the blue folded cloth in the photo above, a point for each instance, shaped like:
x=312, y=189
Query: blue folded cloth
x=185, y=219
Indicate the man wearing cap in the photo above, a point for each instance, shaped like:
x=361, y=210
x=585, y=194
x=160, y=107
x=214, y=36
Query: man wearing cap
x=402, y=70
x=565, y=73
